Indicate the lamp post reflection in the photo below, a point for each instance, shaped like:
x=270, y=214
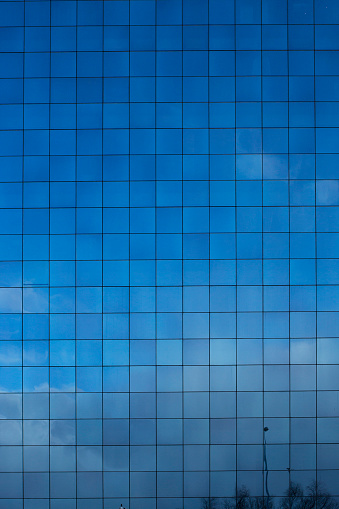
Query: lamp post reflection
x=265, y=465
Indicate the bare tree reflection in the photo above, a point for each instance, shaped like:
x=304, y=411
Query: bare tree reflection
x=244, y=500
x=315, y=496
x=209, y=503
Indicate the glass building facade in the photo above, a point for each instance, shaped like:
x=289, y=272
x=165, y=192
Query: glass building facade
x=169, y=251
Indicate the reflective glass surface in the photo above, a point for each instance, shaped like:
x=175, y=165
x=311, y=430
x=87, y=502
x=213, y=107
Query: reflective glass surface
x=169, y=252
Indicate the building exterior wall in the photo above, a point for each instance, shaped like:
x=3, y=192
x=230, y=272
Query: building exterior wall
x=169, y=252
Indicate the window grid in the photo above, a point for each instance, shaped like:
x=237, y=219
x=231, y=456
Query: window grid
x=169, y=251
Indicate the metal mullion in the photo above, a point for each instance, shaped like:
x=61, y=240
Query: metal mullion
x=129, y=252
x=102, y=254
x=49, y=249
x=209, y=249
x=182, y=254
x=316, y=250
x=75, y=260
x=22, y=256
x=289, y=256
x=262, y=268
x=155, y=263
x=236, y=250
